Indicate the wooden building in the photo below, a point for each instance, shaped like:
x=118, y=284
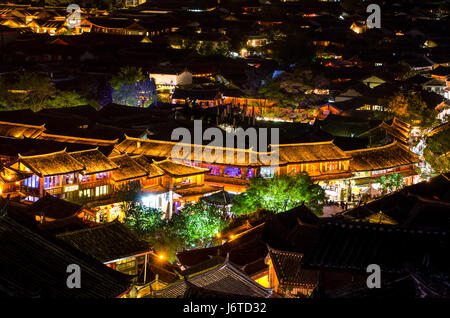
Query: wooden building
x=224, y=279
x=92, y=179
x=43, y=273
x=287, y=277
x=113, y=244
x=232, y=168
x=371, y=163
x=202, y=97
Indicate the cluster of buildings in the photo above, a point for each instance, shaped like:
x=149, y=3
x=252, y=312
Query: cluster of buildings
x=293, y=254
x=67, y=154
x=66, y=174
x=179, y=45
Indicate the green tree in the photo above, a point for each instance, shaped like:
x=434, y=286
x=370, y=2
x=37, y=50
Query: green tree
x=289, y=89
x=437, y=152
x=280, y=194
x=132, y=87
x=410, y=108
x=36, y=89
x=66, y=99
x=144, y=221
x=197, y=224
x=390, y=182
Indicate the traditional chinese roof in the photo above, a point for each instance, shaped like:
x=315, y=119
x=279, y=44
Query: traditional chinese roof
x=94, y=161
x=11, y=147
x=353, y=246
x=243, y=250
x=178, y=170
x=203, y=94
x=8, y=174
x=197, y=190
x=175, y=150
x=107, y=242
x=54, y=208
x=128, y=169
x=423, y=205
x=17, y=130
x=398, y=130
x=293, y=230
x=79, y=140
x=224, y=278
x=385, y=157
x=310, y=152
x=148, y=165
x=52, y=164
x=43, y=271
x=287, y=266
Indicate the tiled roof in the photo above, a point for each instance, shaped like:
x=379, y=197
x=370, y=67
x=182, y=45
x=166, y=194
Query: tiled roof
x=423, y=205
x=148, y=165
x=289, y=271
x=209, y=94
x=385, y=157
x=310, y=152
x=224, y=278
x=178, y=170
x=36, y=266
x=52, y=164
x=128, y=169
x=94, y=161
x=106, y=242
x=16, y=130
x=197, y=190
x=54, y=208
x=176, y=151
x=353, y=246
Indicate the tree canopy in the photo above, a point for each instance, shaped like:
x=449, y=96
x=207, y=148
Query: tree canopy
x=133, y=88
x=437, y=152
x=34, y=91
x=280, y=194
x=390, y=182
x=291, y=89
x=410, y=108
x=195, y=225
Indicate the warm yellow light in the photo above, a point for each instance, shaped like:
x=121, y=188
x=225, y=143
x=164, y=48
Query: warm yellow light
x=161, y=256
x=218, y=235
x=232, y=237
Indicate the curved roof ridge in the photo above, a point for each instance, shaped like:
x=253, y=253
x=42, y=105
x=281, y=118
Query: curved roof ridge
x=23, y=125
x=84, y=150
x=307, y=143
x=394, y=143
x=114, y=141
x=195, y=145
x=179, y=163
x=45, y=154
